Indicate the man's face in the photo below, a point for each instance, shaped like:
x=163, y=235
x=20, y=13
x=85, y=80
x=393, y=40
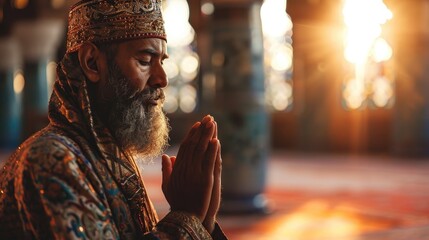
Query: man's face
x=131, y=92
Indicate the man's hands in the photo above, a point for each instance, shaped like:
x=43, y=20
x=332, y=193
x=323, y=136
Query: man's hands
x=192, y=181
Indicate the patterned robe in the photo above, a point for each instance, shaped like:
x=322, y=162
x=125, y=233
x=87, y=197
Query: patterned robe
x=71, y=181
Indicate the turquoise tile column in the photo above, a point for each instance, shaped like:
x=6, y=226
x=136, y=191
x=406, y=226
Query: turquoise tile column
x=35, y=107
x=237, y=61
x=39, y=41
x=10, y=95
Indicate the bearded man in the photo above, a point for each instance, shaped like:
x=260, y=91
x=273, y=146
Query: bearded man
x=77, y=178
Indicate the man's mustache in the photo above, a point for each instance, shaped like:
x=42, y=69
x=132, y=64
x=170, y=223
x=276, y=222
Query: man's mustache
x=149, y=94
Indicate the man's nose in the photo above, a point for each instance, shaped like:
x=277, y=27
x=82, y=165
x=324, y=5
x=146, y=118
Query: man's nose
x=158, y=78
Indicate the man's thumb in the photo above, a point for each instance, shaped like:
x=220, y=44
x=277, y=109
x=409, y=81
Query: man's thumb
x=167, y=168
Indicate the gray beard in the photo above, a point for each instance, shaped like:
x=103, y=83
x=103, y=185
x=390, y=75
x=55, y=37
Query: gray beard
x=138, y=127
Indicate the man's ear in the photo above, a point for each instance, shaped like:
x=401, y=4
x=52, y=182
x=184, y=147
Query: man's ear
x=89, y=59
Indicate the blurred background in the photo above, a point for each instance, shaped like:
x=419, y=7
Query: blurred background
x=322, y=105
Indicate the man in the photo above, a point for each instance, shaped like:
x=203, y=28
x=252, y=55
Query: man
x=77, y=178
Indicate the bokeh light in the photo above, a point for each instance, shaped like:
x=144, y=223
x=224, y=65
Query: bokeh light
x=188, y=104
x=182, y=67
x=188, y=91
x=278, y=54
x=207, y=8
x=171, y=103
x=18, y=82
x=51, y=72
x=354, y=94
x=171, y=68
x=56, y=4
x=281, y=59
x=382, y=92
x=189, y=67
x=20, y=4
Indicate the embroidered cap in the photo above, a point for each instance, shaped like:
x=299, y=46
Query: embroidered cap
x=109, y=20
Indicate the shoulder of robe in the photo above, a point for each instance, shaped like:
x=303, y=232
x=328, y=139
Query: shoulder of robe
x=48, y=154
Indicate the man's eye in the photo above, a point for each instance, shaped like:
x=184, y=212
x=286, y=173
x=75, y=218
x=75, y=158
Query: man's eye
x=144, y=63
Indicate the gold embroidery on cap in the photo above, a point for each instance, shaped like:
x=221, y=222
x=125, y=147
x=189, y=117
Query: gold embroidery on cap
x=108, y=20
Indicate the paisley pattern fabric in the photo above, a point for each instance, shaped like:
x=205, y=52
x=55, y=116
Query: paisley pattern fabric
x=71, y=181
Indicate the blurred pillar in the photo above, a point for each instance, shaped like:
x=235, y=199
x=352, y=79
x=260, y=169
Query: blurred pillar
x=411, y=48
x=424, y=80
x=10, y=94
x=237, y=61
x=39, y=41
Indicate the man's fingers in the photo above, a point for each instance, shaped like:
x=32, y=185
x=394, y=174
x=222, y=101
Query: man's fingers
x=210, y=157
x=193, y=173
x=215, y=130
x=201, y=147
x=192, y=145
x=173, y=160
x=194, y=128
x=167, y=168
x=187, y=148
x=210, y=219
x=209, y=133
x=217, y=181
x=185, y=143
x=206, y=119
x=218, y=166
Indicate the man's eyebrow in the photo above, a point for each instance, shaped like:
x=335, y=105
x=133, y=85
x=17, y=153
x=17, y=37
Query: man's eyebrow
x=153, y=52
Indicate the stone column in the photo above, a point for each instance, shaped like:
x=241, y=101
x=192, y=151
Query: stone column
x=411, y=54
x=237, y=62
x=39, y=41
x=10, y=94
x=424, y=81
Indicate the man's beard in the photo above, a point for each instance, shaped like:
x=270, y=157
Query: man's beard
x=139, y=127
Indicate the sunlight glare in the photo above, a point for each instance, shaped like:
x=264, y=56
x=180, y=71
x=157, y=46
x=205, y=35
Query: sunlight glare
x=275, y=22
x=316, y=219
x=382, y=50
x=362, y=30
x=177, y=27
x=364, y=47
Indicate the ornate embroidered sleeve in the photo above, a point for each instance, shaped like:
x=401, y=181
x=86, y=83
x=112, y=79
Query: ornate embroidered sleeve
x=57, y=200
x=180, y=225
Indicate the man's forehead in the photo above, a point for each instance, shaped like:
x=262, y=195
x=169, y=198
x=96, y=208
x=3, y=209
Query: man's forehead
x=156, y=44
